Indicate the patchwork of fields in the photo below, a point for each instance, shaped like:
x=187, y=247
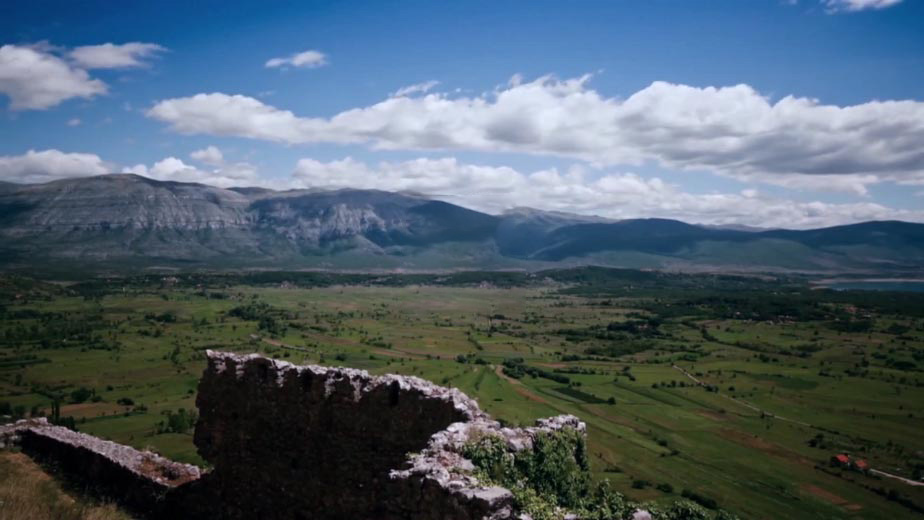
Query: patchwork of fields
x=736, y=392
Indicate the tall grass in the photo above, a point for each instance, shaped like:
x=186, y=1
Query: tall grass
x=28, y=493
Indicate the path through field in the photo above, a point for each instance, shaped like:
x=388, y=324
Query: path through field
x=756, y=409
x=743, y=402
x=518, y=386
x=903, y=479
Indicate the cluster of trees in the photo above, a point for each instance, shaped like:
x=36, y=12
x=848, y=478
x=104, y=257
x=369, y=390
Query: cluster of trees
x=268, y=319
x=471, y=358
x=517, y=369
x=54, y=329
x=179, y=421
x=83, y=394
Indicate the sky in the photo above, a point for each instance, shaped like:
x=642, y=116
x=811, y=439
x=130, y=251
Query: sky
x=766, y=113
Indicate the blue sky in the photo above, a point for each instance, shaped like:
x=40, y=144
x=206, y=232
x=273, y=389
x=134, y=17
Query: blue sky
x=779, y=113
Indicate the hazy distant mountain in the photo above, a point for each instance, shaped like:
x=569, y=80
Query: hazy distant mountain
x=739, y=227
x=130, y=221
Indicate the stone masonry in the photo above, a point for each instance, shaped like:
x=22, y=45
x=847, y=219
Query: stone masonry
x=287, y=441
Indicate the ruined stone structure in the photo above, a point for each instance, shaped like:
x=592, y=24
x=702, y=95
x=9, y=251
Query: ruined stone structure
x=136, y=478
x=288, y=441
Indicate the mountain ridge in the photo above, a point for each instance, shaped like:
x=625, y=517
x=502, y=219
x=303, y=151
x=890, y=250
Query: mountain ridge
x=137, y=221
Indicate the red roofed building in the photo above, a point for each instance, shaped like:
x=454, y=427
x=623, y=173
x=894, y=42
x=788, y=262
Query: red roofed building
x=861, y=465
x=840, y=460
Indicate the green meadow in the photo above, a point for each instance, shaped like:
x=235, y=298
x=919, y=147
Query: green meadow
x=734, y=390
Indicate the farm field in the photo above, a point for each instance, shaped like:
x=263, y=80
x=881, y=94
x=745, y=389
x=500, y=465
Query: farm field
x=733, y=391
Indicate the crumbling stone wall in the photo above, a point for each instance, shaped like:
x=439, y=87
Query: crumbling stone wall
x=140, y=480
x=287, y=441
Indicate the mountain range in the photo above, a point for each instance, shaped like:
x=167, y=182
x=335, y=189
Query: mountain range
x=128, y=221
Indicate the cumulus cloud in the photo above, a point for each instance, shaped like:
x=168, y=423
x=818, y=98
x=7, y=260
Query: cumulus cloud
x=733, y=131
x=74, y=122
x=836, y=6
x=209, y=155
x=310, y=59
x=40, y=76
x=114, y=56
x=614, y=195
x=49, y=165
x=34, y=78
x=417, y=88
x=242, y=116
x=222, y=174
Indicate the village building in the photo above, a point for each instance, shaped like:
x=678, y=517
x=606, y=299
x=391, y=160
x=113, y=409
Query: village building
x=840, y=460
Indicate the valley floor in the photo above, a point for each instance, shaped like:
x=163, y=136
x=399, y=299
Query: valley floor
x=684, y=390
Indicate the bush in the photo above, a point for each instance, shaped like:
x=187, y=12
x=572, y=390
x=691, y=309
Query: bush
x=700, y=499
x=555, y=473
x=81, y=395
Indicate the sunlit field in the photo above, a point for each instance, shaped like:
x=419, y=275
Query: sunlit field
x=682, y=394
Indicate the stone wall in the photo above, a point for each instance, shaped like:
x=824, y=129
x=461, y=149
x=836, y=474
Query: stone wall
x=139, y=480
x=287, y=441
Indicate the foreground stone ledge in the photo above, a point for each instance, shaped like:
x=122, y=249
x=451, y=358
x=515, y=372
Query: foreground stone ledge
x=288, y=441
x=138, y=479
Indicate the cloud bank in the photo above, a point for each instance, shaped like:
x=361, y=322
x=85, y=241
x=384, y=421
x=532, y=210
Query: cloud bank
x=733, y=131
x=50, y=165
x=492, y=189
x=614, y=195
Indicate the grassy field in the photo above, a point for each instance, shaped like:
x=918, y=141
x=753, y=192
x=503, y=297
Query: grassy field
x=682, y=385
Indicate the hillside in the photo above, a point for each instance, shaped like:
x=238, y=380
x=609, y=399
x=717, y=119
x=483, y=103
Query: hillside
x=131, y=221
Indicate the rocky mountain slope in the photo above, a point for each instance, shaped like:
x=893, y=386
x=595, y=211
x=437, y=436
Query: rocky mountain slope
x=131, y=221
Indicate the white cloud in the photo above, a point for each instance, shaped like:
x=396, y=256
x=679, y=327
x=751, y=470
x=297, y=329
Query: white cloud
x=49, y=165
x=74, y=122
x=210, y=155
x=310, y=59
x=112, y=56
x=223, y=175
x=614, y=195
x=221, y=114
x=835, y=6
x=853, y=183
x=417, y=88
x=732, y=131
x=34, y=78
